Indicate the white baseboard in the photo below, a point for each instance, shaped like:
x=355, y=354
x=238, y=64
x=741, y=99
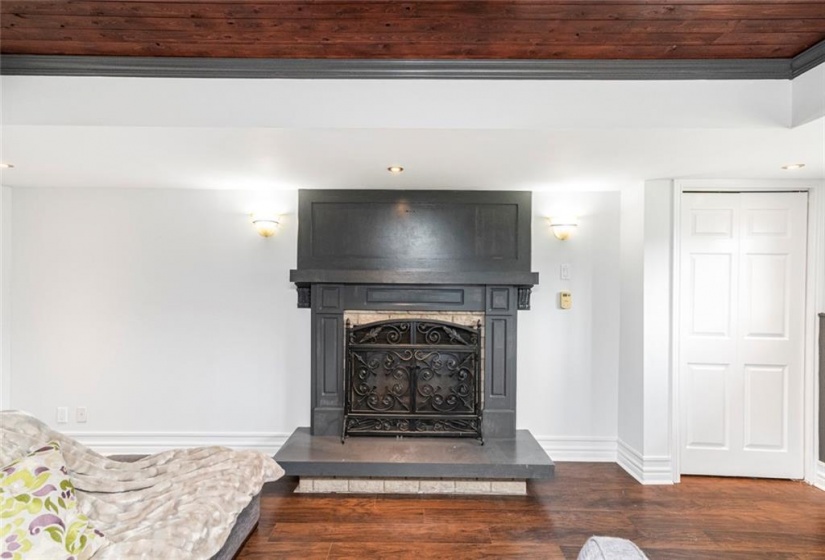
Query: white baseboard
x=579, y=448
x=647, y=470
x=819, y=477
x=145, y=443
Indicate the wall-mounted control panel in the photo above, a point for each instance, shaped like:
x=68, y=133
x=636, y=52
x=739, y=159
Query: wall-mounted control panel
x=565, y=300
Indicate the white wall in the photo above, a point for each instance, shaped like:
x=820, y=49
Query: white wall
x=385, y=104
x=644, y=363
x=631, y=353
x=161, y=311
x=568, y=359
x=174, y=323
x=808, y=96
x=5, y=293
x=658, y=268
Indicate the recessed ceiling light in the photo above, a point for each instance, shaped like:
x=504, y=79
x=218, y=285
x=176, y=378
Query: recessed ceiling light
x=6, y=165
x=792, y=166
x=395, y=169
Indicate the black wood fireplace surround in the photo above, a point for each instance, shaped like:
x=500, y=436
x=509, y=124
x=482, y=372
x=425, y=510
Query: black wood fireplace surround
x=427, y=251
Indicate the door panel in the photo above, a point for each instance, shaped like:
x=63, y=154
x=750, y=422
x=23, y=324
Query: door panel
x=765, y=285
x=742, y=333
x=766, y=222
x=711, y=277
x=766, y=395
x=707, y=407
x=712, y=222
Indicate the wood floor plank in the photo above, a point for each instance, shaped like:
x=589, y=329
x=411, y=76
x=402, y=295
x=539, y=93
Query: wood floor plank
x=693, y=554
x=745, y=540
x=386, y=530
x=277, y=551
x=703, y=517
x=459, y=551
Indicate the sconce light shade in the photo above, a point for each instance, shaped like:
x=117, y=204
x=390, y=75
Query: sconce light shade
x=564, y=226
x=266, y=226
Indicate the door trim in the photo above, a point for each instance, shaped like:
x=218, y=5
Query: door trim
x=814, y=299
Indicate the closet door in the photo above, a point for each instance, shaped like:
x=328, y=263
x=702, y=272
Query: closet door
x=743, y=266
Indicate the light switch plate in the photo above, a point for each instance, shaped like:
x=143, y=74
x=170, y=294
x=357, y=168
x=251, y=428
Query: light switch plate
x=62, y=414
x=565, y=300
x=80, y=414
x=564, y=272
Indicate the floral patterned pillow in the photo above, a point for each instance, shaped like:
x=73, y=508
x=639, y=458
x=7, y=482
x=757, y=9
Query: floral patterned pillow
x=39, y=517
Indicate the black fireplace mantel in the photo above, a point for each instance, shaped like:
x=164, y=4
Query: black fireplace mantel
x=464, y=251
x=304, y=281
x=479, y=238
x=480, y=278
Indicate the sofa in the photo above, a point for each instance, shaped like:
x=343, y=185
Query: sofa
x=61, y=499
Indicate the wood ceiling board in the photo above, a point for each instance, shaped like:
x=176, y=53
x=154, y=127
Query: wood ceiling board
x=436, y=30
x=409, y=25
x=406, y=25
x=312, y=9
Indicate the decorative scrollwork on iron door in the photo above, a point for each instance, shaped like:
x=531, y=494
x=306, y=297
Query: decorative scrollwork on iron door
x=382, y=333
x=440, y=333
x=381, y=381
x=445, y=382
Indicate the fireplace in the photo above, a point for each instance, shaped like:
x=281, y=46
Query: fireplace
x=450, y=253
x=413, y=376
x=414, y=297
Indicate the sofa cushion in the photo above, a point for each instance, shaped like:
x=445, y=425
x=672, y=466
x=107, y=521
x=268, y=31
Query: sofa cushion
x=39, y=517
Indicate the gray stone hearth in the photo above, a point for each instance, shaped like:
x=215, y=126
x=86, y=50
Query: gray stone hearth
x=405, y=462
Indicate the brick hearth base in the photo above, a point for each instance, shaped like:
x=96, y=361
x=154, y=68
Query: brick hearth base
x=313, y=485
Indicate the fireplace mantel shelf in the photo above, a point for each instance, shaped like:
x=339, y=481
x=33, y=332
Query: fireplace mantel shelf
x=466, y=278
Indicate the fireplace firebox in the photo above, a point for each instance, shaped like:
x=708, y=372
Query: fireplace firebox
x=413, y=377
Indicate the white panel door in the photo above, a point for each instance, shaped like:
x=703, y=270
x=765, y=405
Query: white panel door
x=742, y=333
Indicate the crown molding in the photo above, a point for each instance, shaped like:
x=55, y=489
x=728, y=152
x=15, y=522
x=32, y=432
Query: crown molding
x=175, y=67
x=808, y=59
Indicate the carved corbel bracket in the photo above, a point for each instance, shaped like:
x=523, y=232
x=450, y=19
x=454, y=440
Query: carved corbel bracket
x=524, y=297
x=304, y=296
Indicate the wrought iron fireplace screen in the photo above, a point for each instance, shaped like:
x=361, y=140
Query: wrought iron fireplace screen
x=413, y=377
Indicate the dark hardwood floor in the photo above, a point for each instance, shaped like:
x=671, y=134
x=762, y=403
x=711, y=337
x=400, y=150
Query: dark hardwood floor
x=700, y=518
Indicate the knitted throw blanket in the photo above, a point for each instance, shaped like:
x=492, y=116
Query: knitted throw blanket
x=179, y=504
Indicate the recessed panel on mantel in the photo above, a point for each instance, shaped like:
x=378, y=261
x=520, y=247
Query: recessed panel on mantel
x=414, y=230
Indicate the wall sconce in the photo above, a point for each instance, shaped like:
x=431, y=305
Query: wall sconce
x=564, y=226
x=266, y=226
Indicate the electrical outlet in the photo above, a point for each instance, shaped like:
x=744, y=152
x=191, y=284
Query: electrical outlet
x=564, y=272
x=80, y=414
x=62, y=414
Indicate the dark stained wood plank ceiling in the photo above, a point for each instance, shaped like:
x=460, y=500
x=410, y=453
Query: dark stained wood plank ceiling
x=424, y=29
